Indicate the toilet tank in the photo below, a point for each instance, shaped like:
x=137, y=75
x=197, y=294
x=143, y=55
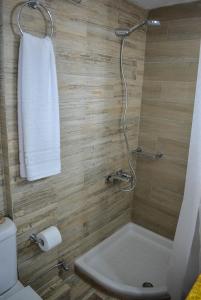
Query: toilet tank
x=8, y=256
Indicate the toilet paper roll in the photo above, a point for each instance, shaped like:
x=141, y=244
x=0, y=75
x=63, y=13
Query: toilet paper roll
x=49, y=238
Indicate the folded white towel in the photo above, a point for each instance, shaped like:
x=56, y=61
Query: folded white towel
x=38, y=109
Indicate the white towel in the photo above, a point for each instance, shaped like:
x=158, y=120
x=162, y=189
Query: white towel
x=38, y=109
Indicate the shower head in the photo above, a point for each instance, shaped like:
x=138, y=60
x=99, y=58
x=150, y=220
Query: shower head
x=153, y=23
x=124, y=32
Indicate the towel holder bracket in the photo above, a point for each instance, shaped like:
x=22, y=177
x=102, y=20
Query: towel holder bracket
x=35, y=4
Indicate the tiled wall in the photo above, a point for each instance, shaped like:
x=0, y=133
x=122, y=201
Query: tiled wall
x=172, y=53
x=2, y=199
x=87, y=53
x=2, y=208
x=2, y=204
x=77, y=201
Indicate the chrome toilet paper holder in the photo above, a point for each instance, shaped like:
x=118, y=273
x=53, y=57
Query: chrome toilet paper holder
x=34, y=239
x=47, y=239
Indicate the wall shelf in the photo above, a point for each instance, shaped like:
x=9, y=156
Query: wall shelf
x=140, y=153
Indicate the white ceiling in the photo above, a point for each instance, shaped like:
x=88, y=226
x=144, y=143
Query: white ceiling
x=150, y=4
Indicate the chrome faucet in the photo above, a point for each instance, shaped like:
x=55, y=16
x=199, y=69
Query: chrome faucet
x=118, y=176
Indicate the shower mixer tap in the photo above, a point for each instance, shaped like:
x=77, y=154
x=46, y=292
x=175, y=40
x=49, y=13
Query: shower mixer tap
x=118, y=176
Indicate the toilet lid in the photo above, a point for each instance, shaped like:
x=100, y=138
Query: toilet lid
x=24, y=294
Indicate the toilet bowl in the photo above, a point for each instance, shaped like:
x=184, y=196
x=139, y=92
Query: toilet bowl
x=10, y=287
x=19, y=292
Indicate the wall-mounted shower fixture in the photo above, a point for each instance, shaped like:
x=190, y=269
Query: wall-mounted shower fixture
x=118, y=176
x=130, y=178
x=124, y=32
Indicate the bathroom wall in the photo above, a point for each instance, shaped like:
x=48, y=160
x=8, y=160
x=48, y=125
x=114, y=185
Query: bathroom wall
x=2, y=198
x=2, y=206
x=172, y=53
x=2, y=209
x=1, y=179
x=78, y=201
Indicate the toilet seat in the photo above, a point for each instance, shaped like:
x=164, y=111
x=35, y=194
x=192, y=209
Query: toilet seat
x=24, y=294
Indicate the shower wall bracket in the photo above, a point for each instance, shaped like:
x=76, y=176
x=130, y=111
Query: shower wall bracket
x=140, y=153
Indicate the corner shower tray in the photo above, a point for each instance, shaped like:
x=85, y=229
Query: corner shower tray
x=131, y=258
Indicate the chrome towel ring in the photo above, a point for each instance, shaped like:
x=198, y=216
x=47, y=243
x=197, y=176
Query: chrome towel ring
x=35, y=5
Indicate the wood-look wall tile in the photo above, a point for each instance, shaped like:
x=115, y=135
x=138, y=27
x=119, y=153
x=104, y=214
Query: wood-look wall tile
x=78, y=201
x=171, y=62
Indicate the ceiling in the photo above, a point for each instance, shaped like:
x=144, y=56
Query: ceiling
x=150, y=4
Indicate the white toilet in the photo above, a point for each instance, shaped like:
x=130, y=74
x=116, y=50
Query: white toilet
x=10, y=287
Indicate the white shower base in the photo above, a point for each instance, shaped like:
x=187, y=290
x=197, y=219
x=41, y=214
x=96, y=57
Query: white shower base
x=124, y=261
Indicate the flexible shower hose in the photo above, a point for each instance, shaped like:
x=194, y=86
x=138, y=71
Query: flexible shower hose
x=132, y=184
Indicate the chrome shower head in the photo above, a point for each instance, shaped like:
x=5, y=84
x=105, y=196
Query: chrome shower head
x=124, y=32
x=154, y=23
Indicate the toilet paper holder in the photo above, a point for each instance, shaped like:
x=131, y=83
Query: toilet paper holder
x=47, y=239
x=34, y=239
